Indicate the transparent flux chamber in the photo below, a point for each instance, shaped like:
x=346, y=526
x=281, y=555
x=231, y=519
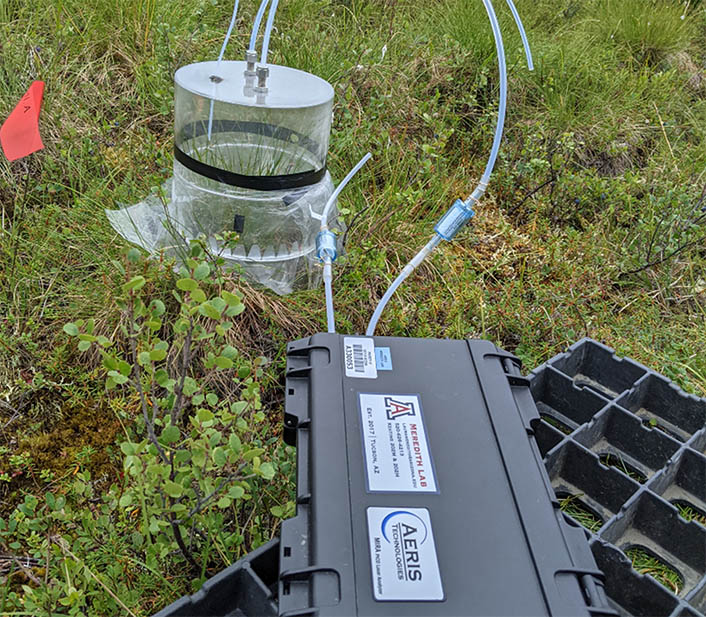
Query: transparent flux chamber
x=252, y=160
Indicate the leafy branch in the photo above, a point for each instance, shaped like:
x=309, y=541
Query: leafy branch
x=187, y=460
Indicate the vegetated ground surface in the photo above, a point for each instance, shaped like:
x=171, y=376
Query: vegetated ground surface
x=594, y=225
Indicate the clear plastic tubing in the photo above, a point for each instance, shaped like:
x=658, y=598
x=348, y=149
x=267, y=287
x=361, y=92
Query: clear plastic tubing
x=339, y=188
x=328, y=274
x=328, y=288
x=230, y=31
x=523, y=34
x=502, y=107
x=256, y=24
x=268, y=31
x=479, y=190
x=406, y=271
x=218, y=63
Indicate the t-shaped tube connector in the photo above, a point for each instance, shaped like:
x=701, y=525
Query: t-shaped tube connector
x=326, y=246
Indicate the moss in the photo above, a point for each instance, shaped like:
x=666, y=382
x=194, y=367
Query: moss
x=55, y=451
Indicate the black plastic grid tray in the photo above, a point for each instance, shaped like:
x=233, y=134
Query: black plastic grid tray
x=247, y=588
x=625, y=449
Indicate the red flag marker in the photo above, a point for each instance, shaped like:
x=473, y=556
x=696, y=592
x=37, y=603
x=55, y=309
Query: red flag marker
x=19, y=134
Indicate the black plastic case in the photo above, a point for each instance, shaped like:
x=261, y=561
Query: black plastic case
x=502, y=545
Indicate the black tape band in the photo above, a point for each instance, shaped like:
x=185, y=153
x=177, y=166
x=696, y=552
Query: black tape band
x=258, y=183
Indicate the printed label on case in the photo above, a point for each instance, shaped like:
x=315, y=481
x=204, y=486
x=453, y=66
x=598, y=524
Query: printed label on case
x=397, y=457
x=359, y=357
x=383, y=359
x=403, y=555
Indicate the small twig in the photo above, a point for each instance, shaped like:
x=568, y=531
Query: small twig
x=176, y=530
x=354, y=220
x=534, y=191
x=193, y=521
x=697, y=206
x=201, y=534
x=378, y=225
x=28, y=560
x=46, y=566
x=203, y=501
x=702, y=198
x=665, y=258
x=185, y=362
x=27, y=572
x=15, y=414
x=138, y=384
x=654, y=234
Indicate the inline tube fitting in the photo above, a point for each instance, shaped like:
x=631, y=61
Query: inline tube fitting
x=455, y=218
x=326, y=246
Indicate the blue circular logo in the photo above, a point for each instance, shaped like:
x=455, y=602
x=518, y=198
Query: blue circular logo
x=392, y=515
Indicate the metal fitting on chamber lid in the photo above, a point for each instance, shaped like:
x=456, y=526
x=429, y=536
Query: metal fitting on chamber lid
x=249, y=73
x=260, y=90
x=262, y=73
x=250, y=59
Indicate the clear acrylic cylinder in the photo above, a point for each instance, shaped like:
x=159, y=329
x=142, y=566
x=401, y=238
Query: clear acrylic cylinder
x=250, y=158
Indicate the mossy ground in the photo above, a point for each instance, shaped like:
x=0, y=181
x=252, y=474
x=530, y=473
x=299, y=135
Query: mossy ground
x=80, y=437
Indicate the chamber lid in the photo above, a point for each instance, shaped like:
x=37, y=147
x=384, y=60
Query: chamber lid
x=287, y=88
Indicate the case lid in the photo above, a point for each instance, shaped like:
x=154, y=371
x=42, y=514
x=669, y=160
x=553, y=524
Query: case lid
x=420, y=489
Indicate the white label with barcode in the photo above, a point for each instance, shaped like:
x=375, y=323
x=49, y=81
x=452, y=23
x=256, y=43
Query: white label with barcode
x=359, y=357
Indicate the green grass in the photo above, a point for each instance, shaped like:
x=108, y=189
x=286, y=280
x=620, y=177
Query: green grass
x=571, y=505
x=556, y=424
x=592, y=225
x=616, y=461
x=690, y=513
x=645, y=563
x=648, y=30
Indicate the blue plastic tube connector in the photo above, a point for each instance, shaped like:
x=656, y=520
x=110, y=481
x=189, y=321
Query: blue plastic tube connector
x=326, y=246
x=455, y=218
